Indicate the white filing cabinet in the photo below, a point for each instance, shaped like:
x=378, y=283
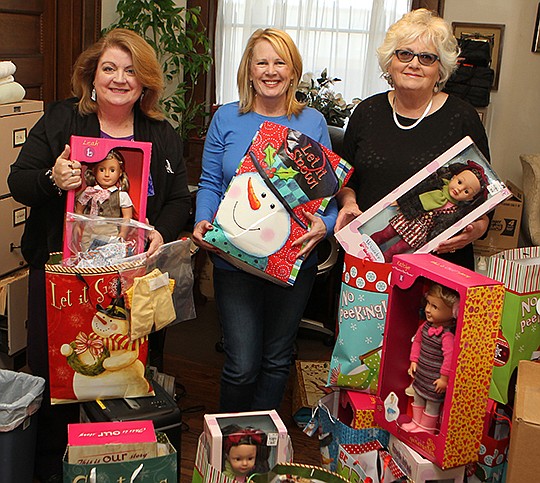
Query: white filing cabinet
x=16, y=120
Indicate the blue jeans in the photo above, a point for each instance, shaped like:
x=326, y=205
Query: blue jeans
x=259, y=320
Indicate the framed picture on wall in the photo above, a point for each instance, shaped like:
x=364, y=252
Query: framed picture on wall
x=536, y=37
x=493, y=33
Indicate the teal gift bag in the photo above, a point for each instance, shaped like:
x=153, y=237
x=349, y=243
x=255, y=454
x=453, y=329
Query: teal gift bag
x=361, y=317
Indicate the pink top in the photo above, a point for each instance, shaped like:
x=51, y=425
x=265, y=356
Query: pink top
x=447, y=341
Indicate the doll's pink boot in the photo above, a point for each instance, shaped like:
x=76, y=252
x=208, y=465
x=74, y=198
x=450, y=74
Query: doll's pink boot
x=428, y=423
x=414, y=425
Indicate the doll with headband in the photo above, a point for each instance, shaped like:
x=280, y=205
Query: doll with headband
x=106, y=194
x=245, y=452
x=107, y=188
x=433, y=206
x=431, y=357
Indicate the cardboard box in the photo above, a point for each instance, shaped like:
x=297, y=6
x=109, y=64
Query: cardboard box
x=274, y=437
x=363, y=237
x=137, y=156
x=462, y=414
x=308, y=387
x=519, y=334
x=418, y=468
x=356, y=409
x=503, y=231
x=524, y=452
x=283, y=174
x=111, y=442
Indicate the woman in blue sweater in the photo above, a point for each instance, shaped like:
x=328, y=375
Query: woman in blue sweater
x=259, y=319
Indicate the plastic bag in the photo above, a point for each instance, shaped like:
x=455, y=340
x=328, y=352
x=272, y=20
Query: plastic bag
x=92, y=241
x=20, y=396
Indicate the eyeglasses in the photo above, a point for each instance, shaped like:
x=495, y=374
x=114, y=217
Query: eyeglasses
x=425, y=58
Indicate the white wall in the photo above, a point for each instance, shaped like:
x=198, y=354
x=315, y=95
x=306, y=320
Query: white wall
x=514, y=111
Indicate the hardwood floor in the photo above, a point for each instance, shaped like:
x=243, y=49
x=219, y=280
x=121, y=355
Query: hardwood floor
x=191, y=357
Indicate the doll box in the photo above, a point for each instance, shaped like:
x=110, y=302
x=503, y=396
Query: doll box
x=137, y=156
x=356, y=409
x=115, y=441
x=283, y=174
x=463, y=411
x=357, y=238
x=418, y=468
x=275, y=439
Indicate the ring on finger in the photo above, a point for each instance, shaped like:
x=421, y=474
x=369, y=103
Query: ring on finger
x=72, y=172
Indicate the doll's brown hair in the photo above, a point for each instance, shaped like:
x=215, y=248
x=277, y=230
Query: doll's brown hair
x=123, y=181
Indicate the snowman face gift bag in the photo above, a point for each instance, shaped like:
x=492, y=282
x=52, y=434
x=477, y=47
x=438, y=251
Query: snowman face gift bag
x=283, y=174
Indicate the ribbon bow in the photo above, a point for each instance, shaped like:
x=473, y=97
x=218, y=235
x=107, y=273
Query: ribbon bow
x=435, y=330
x=96, y=196
x=243, y=436
x=90, y=342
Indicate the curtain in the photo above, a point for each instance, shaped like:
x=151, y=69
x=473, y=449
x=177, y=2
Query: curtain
x=340, y=35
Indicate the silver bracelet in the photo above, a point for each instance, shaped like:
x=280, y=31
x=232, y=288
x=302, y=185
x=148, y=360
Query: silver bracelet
x=49, y=174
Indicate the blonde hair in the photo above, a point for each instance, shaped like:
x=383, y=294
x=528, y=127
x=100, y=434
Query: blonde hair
x=147, y=70
x=287, y=50
x=428, y=27
x=123, y=181
x=447, y=295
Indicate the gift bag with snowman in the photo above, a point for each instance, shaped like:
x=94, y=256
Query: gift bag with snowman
x=99, y=319
x=283, y=174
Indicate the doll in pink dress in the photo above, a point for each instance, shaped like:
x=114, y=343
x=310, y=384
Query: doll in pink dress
x=245, y=452
x=431, y=357
x=433, y=206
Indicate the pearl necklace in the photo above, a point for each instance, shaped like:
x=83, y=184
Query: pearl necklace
x=418, y=121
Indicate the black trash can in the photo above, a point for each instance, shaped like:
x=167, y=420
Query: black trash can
x=20, y=398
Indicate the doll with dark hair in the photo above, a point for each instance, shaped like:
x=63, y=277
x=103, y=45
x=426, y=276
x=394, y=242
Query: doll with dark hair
x=431, y=356
x=433, y=206
x=244, y=452
x=107, y=189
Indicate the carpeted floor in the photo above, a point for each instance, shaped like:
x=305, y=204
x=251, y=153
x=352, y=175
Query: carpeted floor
x=191, y=356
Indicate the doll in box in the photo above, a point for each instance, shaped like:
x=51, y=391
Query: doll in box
x=245, y=452
x=107, y=189
x=431, y=356
x=106, y=194
x=434, y=205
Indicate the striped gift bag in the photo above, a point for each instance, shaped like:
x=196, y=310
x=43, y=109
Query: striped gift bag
x=519, y=336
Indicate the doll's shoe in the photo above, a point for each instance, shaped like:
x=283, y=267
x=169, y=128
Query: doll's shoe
x=414, y=425
x=429, y=423
x=411, y=427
